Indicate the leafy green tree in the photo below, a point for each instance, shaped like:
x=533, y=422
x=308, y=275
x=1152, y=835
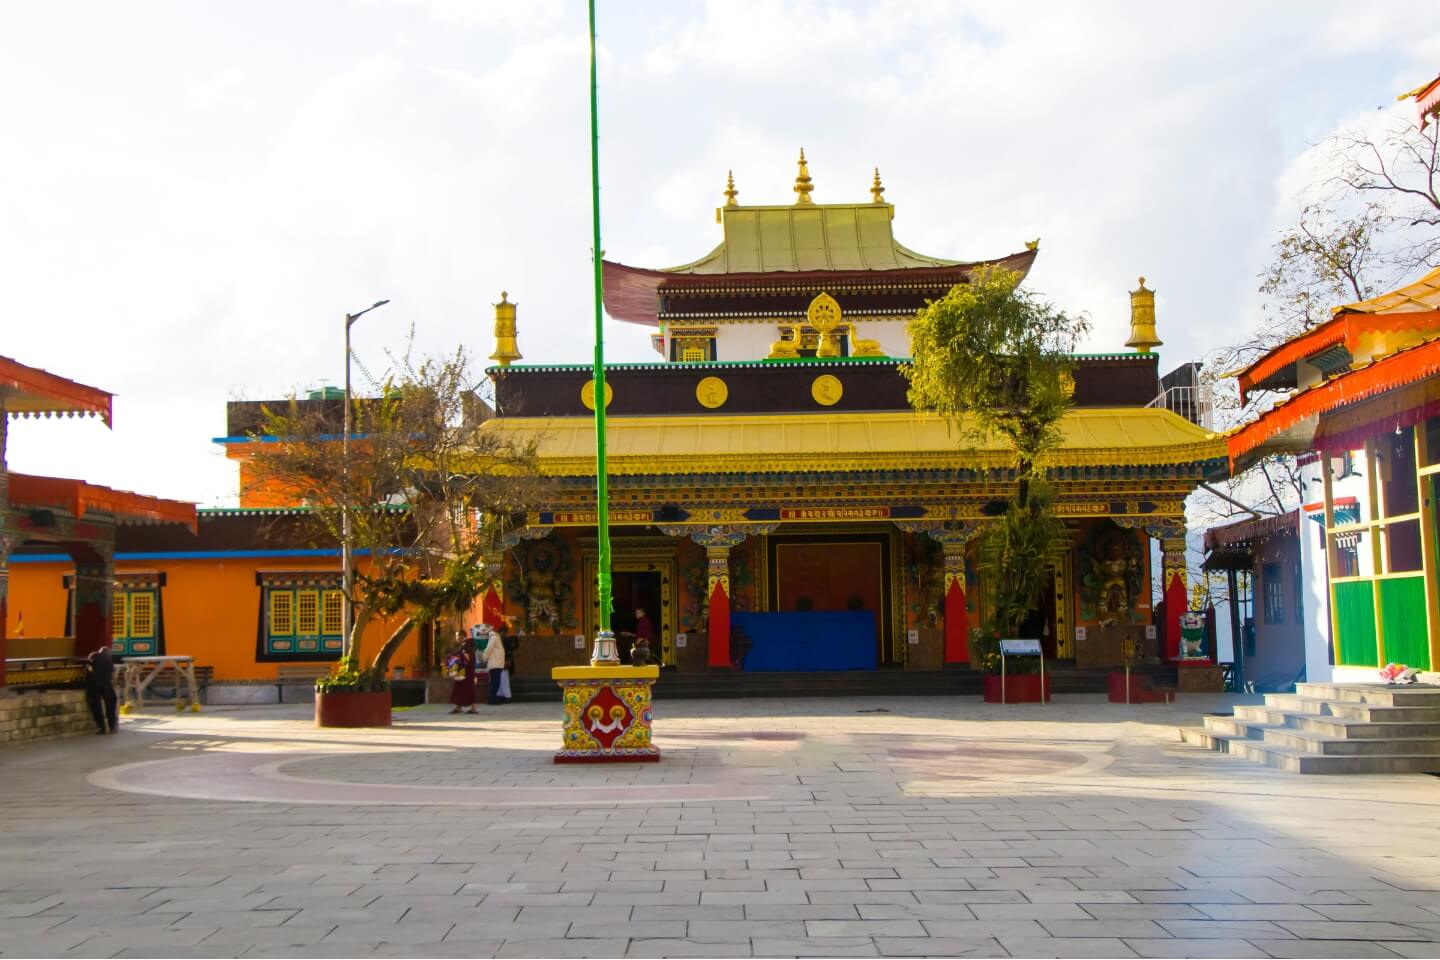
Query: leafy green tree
x=998, y=361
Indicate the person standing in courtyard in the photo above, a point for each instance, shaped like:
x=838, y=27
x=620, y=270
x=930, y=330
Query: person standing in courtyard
x=644, y=633
x=462, y=661
x=495, y=664
x=100, y=690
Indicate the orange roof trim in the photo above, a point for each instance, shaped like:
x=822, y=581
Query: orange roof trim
x=32, y=392
x=79, y=498
x=1377, y=377
x=1344, y=328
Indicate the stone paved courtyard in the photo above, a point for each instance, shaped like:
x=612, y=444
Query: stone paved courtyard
x=818, y=827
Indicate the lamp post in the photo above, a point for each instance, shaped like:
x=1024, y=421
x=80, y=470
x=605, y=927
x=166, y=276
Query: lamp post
x=347, y=609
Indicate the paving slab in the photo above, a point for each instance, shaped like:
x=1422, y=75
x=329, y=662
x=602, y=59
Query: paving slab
x=776, y=828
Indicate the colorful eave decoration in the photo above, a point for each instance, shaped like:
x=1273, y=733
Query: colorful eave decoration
x=79, y=498
x=31, y=392
x=1374, y=379
x=1345, y=329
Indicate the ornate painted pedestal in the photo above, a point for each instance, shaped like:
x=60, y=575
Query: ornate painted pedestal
x=607, y=714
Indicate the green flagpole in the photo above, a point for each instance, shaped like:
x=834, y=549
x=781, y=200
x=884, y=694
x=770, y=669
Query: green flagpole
x=604, y=650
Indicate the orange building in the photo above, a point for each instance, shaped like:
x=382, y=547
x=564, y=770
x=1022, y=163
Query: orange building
x=77, y=523
x=248, y=592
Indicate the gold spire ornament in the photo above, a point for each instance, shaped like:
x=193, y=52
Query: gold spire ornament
x=506, y=349
x=824, y=317
x=730, y=192
x=877, y=189
x=803, y=184
x=1142, y=320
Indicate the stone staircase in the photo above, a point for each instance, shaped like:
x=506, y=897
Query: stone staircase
x=1333, y=728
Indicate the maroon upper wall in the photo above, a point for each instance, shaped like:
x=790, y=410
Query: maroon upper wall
x=669, y=389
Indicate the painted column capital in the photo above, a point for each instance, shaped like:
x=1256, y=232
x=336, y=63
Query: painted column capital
x=725, y=536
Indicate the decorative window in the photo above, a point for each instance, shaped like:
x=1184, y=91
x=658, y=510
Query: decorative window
x=332, y=612
x=135, y=621
x=301, y=616
x=1274, y=593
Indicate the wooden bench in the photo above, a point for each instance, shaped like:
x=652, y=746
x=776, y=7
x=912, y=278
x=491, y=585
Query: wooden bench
x=303, y=672
x=167, y=677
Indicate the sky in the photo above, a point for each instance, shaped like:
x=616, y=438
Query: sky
x=192, y=195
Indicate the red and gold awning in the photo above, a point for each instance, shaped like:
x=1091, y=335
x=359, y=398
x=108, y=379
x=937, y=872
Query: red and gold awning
x=79, y=498
x=32, y=392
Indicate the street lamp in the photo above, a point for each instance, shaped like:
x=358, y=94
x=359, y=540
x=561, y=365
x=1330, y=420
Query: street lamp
x=347, y=609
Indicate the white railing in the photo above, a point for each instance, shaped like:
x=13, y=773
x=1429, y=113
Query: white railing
x=1192, y=403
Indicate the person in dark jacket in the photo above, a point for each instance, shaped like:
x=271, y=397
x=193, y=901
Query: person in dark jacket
x=100, y=690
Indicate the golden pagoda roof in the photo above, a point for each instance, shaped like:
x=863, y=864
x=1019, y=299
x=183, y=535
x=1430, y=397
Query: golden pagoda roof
x=845, y=441
x=798, y=238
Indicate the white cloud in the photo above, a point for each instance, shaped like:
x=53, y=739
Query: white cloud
x=194, y=211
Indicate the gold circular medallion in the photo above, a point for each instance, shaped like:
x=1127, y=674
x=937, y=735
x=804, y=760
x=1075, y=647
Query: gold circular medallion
x=587, y=394
x=711, y=392
x=826, y=390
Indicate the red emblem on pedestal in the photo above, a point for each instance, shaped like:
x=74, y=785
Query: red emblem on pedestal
x=606, y=717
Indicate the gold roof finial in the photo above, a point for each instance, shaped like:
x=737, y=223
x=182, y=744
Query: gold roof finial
x=877, y=189
x=730, y=192
x=1142, y=320
x=803, y=185
x=507, y=349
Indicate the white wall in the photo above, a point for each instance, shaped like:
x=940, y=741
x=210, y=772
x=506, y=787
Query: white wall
x=751, y=341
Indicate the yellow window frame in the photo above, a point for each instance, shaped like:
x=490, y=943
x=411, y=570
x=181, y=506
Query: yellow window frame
x=282, y=613
x=141, y=614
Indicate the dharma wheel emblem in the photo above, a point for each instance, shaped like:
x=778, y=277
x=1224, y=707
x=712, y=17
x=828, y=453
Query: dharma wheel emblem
x=712, y=392
x=587, y=394
x=826, y=390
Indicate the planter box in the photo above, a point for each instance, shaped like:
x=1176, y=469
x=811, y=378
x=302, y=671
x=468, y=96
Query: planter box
x=1019, y=688
x=1140, y=689
x=352, y=709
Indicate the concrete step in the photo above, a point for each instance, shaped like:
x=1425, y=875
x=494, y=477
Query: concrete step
x=1259, y=713
x=1200, y=737
x=1292, y=703
x=1233, y=727
x=1310, y=742
x=1300, y=761
x=1377, y=694
x=1346, y=727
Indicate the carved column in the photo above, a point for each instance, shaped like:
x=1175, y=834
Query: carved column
x=94, y=576
x=957, y=616
x=1173, y=577
x=492, y=598
x=955, y=537
x=718, y=542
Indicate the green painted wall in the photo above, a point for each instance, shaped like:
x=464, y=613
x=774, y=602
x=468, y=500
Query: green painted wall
x=1355, y=616
x=1402, y=612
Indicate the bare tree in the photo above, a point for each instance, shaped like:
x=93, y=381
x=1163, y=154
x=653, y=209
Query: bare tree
x=430, y=491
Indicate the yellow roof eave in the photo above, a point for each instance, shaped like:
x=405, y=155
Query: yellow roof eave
x=1131, y=436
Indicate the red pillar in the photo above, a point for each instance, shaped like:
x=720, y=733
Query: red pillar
x=718, y=582
x=1176, y=591
x=93, y=575
x=957, y=618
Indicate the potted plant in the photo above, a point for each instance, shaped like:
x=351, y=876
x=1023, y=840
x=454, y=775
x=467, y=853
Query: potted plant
x=1020, y=682
x=1127, y=686
x=353, y=698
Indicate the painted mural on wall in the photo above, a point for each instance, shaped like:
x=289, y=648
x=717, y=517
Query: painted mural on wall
x=924, y=581
x=1112, y=576
x=542, y=585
